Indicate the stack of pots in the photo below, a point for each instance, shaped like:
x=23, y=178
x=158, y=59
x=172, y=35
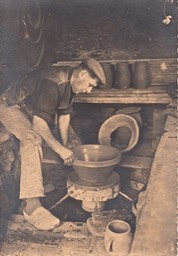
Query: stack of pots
x=124, y=75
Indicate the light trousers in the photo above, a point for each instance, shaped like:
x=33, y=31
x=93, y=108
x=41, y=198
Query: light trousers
x=16, y=122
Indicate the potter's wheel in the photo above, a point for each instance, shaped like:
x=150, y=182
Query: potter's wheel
x=112, y=180
x=93, y=195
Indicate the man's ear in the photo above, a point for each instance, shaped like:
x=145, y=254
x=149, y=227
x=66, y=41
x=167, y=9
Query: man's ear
x=83, y=73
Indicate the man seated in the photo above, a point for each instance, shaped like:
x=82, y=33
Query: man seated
x=26, y=110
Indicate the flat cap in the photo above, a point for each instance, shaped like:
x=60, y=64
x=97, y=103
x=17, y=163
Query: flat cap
x=95, y=67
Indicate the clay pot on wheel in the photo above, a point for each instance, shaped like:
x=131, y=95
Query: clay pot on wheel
x=95, y=163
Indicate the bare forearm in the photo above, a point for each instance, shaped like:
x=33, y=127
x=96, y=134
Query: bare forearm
x=42, y=128
x=63, y=125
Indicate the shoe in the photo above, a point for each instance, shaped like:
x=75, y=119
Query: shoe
x=42, y=219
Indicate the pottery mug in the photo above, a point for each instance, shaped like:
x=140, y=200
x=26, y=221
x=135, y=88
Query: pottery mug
x=118, y=238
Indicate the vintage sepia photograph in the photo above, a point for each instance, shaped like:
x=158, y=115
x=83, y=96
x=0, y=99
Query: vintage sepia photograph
x=88, y=127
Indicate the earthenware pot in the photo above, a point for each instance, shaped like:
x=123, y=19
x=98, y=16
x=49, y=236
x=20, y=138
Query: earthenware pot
x=118, y=238
x=140, y=75
x=108, y=70
x=122, y=75
x=95, y=163
x=123, y=127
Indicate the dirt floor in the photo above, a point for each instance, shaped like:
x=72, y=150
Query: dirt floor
x=70, y=239
x=33, y=249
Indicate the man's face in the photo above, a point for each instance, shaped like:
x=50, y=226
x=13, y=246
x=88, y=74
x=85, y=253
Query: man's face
x=84, y=82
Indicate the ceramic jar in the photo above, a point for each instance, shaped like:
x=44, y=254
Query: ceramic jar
x=140, y=75
x=122, y=75
x=118, y=238
x=108, y=70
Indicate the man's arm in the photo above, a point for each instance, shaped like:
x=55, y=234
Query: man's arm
x=42, y=128
x=63, y=126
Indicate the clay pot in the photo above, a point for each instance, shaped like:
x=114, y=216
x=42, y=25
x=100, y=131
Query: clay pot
x=106, y=113
x=122, y=75
x=120, y=138
x=95, y=163
x=108, y=70
x=118, y=238
x=132, y=111
x=125, y=130
x=141, y=75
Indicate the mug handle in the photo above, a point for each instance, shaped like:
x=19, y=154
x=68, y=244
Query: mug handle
x=109, y=245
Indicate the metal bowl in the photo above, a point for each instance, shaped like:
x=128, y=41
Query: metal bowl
x=95, y=163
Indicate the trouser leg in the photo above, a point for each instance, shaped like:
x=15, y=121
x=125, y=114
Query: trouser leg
x=31, y=180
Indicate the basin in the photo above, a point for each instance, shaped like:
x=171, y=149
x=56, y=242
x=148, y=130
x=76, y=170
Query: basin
x=95, y=163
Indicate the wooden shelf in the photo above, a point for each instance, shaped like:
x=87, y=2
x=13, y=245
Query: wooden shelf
x=162, y=72
x=128, y=96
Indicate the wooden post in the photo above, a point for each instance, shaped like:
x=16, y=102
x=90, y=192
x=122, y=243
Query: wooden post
x=158, y=126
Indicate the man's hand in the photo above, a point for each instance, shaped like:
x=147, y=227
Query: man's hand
x=67, y=155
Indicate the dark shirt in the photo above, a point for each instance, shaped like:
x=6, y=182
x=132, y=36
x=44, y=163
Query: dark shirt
x=44, y=92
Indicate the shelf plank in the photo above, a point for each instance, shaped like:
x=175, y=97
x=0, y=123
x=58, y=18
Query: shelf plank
x=122, y=101
x=161, y=71
x=140, y=96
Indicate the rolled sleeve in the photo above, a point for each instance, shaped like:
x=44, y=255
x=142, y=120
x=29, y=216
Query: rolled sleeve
x=44, y=116
x=65, y=111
